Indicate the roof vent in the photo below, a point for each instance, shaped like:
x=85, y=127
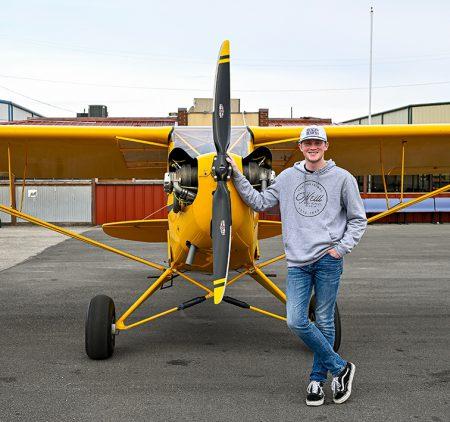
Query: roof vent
x=98, y=111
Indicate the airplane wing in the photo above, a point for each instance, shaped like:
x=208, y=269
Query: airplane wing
x=268, y=228
x=361, y=149
x=85, y=152
x=139, y=230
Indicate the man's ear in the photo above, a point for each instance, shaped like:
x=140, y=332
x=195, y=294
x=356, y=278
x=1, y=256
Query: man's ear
x=325, y=147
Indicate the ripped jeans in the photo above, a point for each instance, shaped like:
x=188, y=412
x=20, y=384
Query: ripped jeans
x=324, y=275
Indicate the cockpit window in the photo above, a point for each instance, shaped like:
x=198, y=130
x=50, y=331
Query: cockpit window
x=198, y=140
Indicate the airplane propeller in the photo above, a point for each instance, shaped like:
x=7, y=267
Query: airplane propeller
x=221, y=212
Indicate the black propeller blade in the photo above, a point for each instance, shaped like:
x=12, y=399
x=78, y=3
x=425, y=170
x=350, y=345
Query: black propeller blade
x=221, y=215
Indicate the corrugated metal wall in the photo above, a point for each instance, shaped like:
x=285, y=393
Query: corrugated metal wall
x=376, y=120
x=416, y=114
x=387, y=118
x=4, y=200
x=20, y=114
x=396, y=117
x=122, y=202
x=4, y=113
x=57, y=203
x=431, y=114
x=62, y=204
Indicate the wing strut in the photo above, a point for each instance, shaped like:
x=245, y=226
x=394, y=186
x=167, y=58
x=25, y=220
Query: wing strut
x=69, y=233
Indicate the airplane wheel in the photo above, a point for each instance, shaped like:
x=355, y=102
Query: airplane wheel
x=99, y=338
x=337, y=322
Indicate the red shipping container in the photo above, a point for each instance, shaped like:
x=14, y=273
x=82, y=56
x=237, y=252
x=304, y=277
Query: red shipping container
x=133, y=201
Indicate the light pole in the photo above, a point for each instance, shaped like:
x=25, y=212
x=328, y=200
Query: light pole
x=370, y=67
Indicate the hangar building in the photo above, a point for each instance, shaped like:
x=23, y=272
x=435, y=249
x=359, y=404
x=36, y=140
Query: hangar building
x=411, y=114
x=370, y=186
x=10, y=111
x=99, y=201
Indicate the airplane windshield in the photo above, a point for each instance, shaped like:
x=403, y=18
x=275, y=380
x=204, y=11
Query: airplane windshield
x=197, y=140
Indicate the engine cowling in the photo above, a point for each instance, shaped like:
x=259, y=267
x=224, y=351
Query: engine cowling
x=181, y=179
x=257, y=168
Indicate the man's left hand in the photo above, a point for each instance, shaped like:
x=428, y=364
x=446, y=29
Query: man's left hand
x=334, y=253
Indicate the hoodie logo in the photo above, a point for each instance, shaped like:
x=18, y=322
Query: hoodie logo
x=310, y=198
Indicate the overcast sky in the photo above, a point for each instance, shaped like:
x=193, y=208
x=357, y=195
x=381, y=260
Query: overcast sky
x=147, y=58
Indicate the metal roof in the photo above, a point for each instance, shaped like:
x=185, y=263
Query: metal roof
x=298, y=121
x=98, y=121
x=397, y=109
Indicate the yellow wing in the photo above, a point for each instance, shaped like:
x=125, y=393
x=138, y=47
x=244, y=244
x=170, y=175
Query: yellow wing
x=139, y=230
x=361, y=149
x=80, y=152
x=268, y=228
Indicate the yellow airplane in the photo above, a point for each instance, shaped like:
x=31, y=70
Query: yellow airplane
x=209, y=229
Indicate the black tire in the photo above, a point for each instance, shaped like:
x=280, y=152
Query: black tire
x=337, y=322
x=99, y=338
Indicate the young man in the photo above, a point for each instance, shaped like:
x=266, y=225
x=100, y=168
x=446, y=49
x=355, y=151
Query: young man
x=323, y=219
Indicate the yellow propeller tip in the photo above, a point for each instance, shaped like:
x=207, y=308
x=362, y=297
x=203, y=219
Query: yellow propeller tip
x=225, y=48
x=219, y=290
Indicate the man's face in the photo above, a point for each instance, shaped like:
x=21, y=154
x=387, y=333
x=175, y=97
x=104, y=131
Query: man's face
x=313, y=149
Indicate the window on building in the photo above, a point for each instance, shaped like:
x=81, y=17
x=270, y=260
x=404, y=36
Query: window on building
x=411, y=183
x=440, y=180
x=360, y=180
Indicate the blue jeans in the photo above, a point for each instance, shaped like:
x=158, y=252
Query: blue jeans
x=324, y=275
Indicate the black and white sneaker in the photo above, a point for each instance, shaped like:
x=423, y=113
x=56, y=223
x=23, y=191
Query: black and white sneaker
x=315, y=396
x=342, y=384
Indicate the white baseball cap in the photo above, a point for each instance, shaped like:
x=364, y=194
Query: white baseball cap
x=313, y=132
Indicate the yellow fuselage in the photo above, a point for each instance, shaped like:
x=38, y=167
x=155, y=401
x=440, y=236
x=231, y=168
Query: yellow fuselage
x=192, y=225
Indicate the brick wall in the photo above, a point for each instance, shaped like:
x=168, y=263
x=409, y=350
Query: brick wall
x=263, y=116
x=182, y=118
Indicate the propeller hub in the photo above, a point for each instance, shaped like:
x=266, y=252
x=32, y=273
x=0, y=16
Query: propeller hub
x=221, y=170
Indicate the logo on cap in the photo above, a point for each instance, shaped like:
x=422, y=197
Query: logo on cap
x=312, y=131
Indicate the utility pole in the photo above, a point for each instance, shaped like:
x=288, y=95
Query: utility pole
x=370, y=67
x=369, y=177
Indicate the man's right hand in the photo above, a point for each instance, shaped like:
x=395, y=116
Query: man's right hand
x=334, y=253
x=233, y=165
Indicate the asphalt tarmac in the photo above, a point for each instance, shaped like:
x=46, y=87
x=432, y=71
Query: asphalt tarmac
x=223, y=363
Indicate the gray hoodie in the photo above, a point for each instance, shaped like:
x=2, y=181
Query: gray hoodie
x=319, y=211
